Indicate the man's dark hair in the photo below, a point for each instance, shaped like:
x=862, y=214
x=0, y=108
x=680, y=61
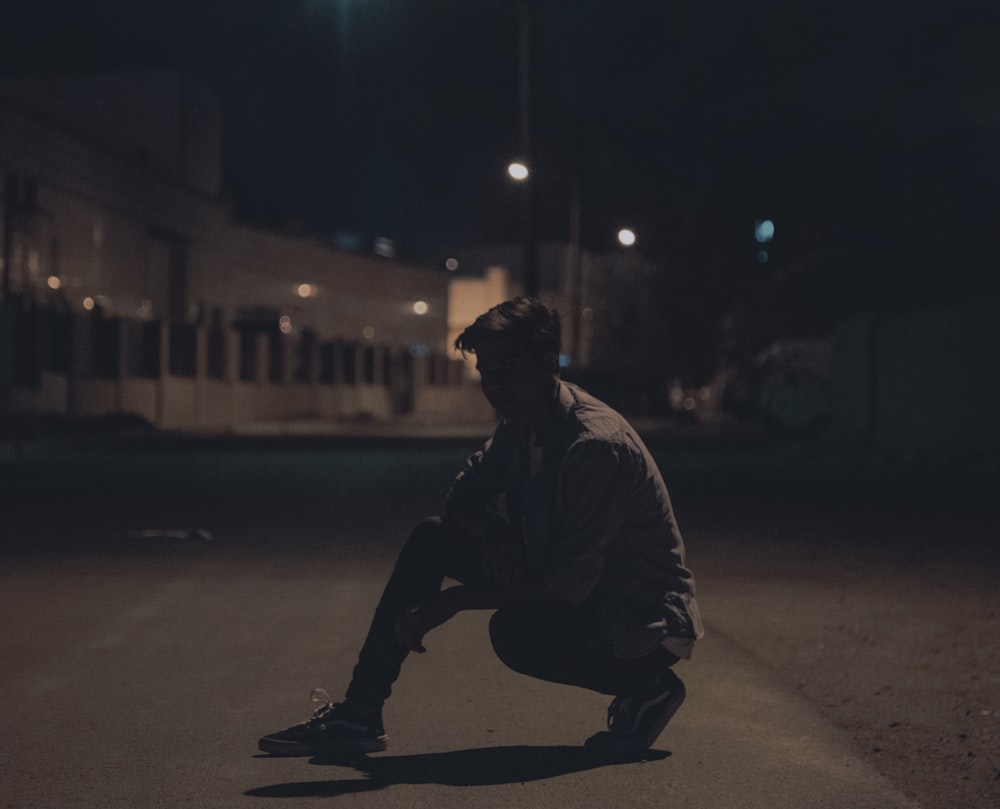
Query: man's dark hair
x=528, y=321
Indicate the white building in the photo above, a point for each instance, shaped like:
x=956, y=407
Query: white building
x=113, y=216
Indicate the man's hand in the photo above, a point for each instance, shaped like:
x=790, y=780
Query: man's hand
x=418, y=621
x=503, y=555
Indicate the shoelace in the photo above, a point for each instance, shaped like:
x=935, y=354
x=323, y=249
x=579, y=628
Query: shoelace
x=326, y=705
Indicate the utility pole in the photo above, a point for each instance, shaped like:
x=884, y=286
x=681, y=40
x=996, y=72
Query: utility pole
x=6, y=342
x=525, y=47
x=575, y=270
x=9, y=202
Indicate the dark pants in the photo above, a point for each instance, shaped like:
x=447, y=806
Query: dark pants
x=542, y=639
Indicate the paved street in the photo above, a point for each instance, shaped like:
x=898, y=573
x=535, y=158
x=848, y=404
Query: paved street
x=140, y=664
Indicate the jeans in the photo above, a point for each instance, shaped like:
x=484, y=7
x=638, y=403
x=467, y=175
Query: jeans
x=543, y=639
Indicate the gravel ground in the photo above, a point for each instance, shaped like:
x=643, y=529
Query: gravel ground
x=887, y=619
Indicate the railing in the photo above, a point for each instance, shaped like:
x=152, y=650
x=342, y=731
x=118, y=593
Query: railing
x=207, y=376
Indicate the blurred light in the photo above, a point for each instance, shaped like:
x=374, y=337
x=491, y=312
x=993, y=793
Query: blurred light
x=368, y=332
x=420, y=307
x=588, y=313
x=385, y=247
x=690, y=403
x=451, y=264
x=626, y=237
x=419, y=350
x=306, y=290
x=89, y=303
x=763, y=230
x=518, y=171
x=54, y=282
x=285, y=324
x=762, y=257
x=564, y=361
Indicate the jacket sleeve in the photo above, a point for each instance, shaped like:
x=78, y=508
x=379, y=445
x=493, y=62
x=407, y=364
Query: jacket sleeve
x=482, y=479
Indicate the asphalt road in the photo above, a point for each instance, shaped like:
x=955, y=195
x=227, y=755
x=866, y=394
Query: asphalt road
x=141, y=663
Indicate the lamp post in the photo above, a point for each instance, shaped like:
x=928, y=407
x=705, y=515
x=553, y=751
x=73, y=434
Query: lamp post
x=10, y=208
x=575, y=261
x=525, y=46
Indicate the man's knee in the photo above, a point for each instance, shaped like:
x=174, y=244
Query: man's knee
x=424, y=540
x=509, y=631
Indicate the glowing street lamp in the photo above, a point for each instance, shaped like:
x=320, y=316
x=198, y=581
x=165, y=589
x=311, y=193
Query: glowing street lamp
x=518, y=171
x=626, y=237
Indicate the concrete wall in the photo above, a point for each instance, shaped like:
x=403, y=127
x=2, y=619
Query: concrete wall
x=114, y=231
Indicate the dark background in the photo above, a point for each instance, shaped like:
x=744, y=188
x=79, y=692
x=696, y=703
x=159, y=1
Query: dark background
x=865, y=130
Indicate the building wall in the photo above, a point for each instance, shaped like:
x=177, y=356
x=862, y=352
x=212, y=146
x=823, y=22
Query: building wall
x=134, y=239
x=93, y=218
x=469, y=297
x=355, y=297
x=110, y=231
x=578, y=292
x=925, y=380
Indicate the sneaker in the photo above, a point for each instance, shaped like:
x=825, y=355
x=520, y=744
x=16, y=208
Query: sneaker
x=634, y=723
x=333, y=728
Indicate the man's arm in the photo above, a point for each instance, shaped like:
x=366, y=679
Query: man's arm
x=502, y=546
x=595, y=480
x=480, y=481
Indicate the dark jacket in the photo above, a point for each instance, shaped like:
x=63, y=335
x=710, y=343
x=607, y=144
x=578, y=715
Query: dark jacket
x=598, y=524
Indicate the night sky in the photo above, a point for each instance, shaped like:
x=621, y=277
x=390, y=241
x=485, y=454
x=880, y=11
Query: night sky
x=875, y=123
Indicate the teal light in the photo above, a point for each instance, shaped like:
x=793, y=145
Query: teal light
x=763, y=230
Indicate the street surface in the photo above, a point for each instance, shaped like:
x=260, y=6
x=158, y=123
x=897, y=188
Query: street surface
x=140, y=659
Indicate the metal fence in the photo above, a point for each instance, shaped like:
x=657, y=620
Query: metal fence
x=83, y=347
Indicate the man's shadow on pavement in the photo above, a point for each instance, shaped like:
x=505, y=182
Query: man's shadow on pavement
x=481, y=767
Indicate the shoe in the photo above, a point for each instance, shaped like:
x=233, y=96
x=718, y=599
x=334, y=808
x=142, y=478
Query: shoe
x=634, y=723
x=333, y=728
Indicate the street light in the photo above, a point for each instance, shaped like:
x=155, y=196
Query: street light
x=626, y=237
x=518, y=171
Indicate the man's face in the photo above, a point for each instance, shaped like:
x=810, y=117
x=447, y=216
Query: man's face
x=519, y=385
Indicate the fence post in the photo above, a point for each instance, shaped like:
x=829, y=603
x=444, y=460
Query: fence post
x=287, y=350
x=6, y=355
x=161, y=381
x=77, y=340
x=231, y=374
x=200, y=371
x=121, y=363
x=263, y=357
